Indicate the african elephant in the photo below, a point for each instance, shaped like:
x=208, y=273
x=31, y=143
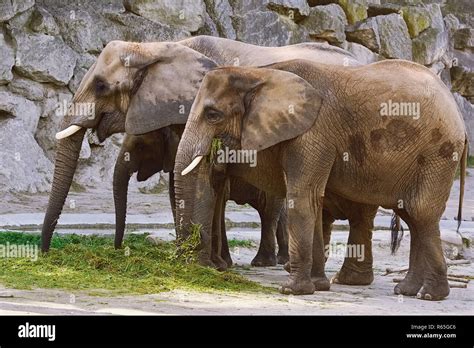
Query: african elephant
x=155, y=151
x=387, y=134
x=145, y=155
x=144, y=87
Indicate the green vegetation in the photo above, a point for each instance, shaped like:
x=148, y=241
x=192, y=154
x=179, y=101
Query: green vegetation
x=470, y=161
x=188, y=246
x=92, y=264
x=240, y=243
x=216, y=145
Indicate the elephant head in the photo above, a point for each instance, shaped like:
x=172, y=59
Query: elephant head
x=129, y=81
x=248, y=109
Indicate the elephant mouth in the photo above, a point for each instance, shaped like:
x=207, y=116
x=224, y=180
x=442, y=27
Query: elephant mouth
x=109, y=123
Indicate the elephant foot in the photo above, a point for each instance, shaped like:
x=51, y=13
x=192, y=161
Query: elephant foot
x=409, y=286
x=228, y=260
x=264, y=260
x=321, y=283
x=219, y=263
x=347, y=276
x=287, y=267
x=295, y=286
x=282, y=258
x=206, y=263
x=435, y=290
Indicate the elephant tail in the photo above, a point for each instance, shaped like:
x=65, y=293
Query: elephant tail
x=462, y=180
x=397, y=233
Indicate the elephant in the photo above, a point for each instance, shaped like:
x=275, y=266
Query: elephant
x=145, y=155
x=386, y=134
x=155, y=151
x=143, y=87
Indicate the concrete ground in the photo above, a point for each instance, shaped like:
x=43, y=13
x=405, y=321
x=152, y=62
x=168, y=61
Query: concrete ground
x=92, y=212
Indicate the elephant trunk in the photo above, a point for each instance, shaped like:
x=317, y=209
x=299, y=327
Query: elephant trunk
x=120, y=187
x=194, y=195
x=67, y=155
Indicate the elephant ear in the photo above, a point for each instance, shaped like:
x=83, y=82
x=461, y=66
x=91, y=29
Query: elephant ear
x=171, y=80
x=280, y=106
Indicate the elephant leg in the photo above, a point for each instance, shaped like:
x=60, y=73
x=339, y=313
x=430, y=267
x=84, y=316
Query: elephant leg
x=219, y=211
x=435, y=283
x=413, y=280
x=327, y=229
x=282, y=238
x=357, y=268
x=318, y=276
x=302, y=224
x=427, y=273
x=225, y=253
x=266, y=251
x=172, y=195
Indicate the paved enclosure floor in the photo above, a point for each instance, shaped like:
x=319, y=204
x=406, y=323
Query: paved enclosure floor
x=375, y=299
x=96, y=207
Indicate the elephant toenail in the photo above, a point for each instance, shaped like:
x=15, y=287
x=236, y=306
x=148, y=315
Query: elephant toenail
x=419, y=295
x=428, y=297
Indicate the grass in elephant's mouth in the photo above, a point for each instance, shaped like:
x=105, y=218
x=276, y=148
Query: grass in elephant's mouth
x=91, y=263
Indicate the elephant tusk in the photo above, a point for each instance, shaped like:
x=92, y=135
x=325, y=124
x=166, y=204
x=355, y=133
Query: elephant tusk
x=67, y=132
x=193, y=164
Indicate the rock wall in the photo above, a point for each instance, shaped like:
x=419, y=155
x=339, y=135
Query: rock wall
x=46, y=47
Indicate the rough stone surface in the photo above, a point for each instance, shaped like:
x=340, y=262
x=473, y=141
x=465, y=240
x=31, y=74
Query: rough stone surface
x=44, y=58
x=387, y=35
x=9, y=8
x=462, y=74
x=43, y=22
x=361, y=53
x=7, y=60
x=460, y=8
x=417, y=19
x=467, y=110
x=464, y=39
x=184, y=14
x=221, y=13
x=97, y=167
x=295, y=9
x=21, y=109
x=47, y=46
x=326, y=23
x=268, y=29
x=377, y=9
x=23, y=166
x=430, y=46
x=51, y=118
x=356, y=10
x=394, y=38
x=29, y=89
x=365, y=33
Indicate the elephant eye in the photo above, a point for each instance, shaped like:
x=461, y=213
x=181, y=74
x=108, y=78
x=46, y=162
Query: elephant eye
x=101, y=87
x=213, y=115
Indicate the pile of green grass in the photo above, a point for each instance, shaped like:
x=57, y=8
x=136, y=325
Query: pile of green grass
x=91, y=263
